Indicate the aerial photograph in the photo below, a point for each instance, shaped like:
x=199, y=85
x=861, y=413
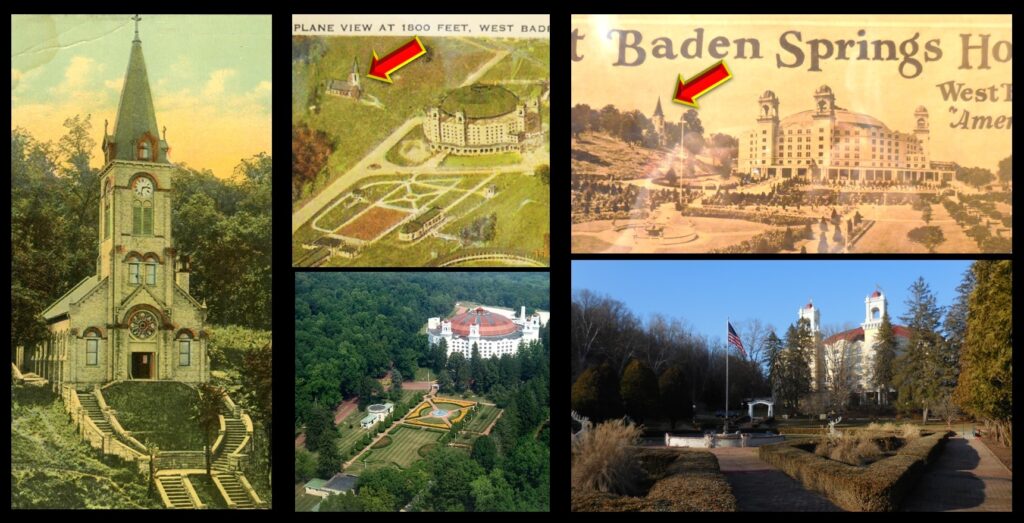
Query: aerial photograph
x=422, y=392
x=414, y=149
x=831, y=386
x=141, y=362
x=844, y=156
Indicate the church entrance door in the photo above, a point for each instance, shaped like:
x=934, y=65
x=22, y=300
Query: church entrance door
x=142, y=366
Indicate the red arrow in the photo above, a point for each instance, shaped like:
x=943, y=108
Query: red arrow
x=688, y=91
x=381, y=68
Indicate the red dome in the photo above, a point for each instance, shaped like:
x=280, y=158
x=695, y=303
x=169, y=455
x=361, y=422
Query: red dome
x=809, y=305
x=491, y=324
x=875, y=294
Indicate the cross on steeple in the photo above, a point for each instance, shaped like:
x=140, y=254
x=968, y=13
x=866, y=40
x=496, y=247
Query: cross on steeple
x=137, y=18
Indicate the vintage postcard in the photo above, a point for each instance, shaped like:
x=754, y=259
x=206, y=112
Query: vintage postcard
x=420, y=140
x=791, y=134
x=140, y=262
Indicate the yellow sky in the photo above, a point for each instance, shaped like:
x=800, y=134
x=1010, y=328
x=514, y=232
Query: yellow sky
x=210, y=78
x=871, y=87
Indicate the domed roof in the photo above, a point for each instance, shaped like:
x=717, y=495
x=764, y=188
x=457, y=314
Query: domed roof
x=876, y=294
x=480, y=101
x=843, y=118
x=921, y=109
x=491, y=324
x=810, y=305
x=824, y=89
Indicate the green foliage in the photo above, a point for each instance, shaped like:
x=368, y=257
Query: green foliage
x=218, y=219
x=596, y=394
x=544, y=172
x=886, y=347
x=794, y=370
x=328, y=461
x=207, y=415
x=342, y=503
x=161, y=412
x=484, y=452
x=492, y=493
x=919, y=369
x=985, y=388
x=452, y=472
x=676, y=402
x=305, y=465
x=53, y=468
x=639, y=390
x=320, y=430
x=974, y=176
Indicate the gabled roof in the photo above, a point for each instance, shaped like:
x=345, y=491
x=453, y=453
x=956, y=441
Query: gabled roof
x=60, y=307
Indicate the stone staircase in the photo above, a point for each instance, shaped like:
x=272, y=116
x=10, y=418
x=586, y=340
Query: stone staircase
x=92, y=409
x=233, y=487
x=177, y=493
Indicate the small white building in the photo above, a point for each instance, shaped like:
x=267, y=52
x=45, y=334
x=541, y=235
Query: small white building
x=375, y=413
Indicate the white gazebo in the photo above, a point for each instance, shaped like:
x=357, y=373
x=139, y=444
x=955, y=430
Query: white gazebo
x=761, y=401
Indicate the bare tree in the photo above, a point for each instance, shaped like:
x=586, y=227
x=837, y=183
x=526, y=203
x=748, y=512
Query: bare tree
x=585, y=327
x=841, y=362
x=753, y=333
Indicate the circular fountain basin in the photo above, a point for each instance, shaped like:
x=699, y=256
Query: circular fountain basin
x=719, y=440
x=439, y=413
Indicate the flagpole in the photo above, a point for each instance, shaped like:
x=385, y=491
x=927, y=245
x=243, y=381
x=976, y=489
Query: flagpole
x=726, y=425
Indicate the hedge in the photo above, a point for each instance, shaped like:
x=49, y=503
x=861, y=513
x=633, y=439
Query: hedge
x=683, y=481
x=879, y=487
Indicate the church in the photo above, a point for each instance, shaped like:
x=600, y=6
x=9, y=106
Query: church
x=858, y=345
x=133, y=319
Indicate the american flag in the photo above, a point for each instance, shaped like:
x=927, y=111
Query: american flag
x=734, y=339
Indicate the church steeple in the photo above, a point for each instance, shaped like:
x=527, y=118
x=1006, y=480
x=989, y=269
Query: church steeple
x=657, y=109
x=136, y=136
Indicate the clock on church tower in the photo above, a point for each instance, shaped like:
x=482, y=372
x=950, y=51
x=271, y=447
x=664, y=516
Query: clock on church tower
x=135, y=318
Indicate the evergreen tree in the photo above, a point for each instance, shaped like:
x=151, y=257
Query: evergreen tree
x=484, y=452
x=985, y=388
x=885, y=356
x=773, y=361
x=796, y=372
x=329, y=461
x=476, y=367
x=676, y=402
x=639, y=390
x=918, y=371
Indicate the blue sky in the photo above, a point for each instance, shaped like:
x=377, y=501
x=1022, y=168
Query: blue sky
x=705, y=293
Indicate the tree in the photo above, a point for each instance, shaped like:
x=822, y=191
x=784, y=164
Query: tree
x=773, y=348
x=329, y=461
x=926, y=214
x=484, y=452
x=885, y=348
x=787, y=239
x=342, y=503
x=453, y=472
x=985, y=387
x=795, y=375
x=839, y=368
x=674, y=392
x=458, y=369
x=929, y=236
x=207, y=415
x=822, y=244
x=319, y=428
x=396, y=384
x=543, y=171
x=492, y=493
x=1006, y=169
x=257, y=392
x=918, y=371
x=476, y=366
x=305, y=465
x=639, y=390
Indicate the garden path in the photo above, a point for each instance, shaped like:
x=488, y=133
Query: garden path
x=760, y=487
x=966, y=477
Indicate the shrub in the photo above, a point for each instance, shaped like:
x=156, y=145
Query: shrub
x=383, y=442
x=880, y=486
x=605, y=459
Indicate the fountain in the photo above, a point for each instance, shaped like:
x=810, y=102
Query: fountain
x=739, y=438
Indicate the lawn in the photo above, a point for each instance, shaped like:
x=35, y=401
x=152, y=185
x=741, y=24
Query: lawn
x=358, y=127
x=305, y=502
x=160, y=413
x=483, y=160
x=410, y=151
x=522, y=205
x=349, y=436
x=403, y=450
x=485, y=414
x=423, y=372
x=447, y=406
x=207, y=491
x=528, y=60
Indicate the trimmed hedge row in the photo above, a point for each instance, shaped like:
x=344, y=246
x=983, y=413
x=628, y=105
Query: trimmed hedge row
x=879, y=487
x=683, y=481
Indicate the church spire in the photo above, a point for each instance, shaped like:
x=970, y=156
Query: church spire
x=657, y=110
x=136, y=135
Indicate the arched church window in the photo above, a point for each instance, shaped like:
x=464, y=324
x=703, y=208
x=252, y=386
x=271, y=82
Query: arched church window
x=142, y=217
x=145, y=150
x=184, y=349
x=876, y=314
x=821, y=105
x=92, y=348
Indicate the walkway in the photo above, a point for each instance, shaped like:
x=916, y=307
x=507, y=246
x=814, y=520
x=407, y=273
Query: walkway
x=760, y=487
x=966, y=477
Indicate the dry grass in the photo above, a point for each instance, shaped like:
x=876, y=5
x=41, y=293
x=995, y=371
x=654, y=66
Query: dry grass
x=848, y=449
x=605, y=459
